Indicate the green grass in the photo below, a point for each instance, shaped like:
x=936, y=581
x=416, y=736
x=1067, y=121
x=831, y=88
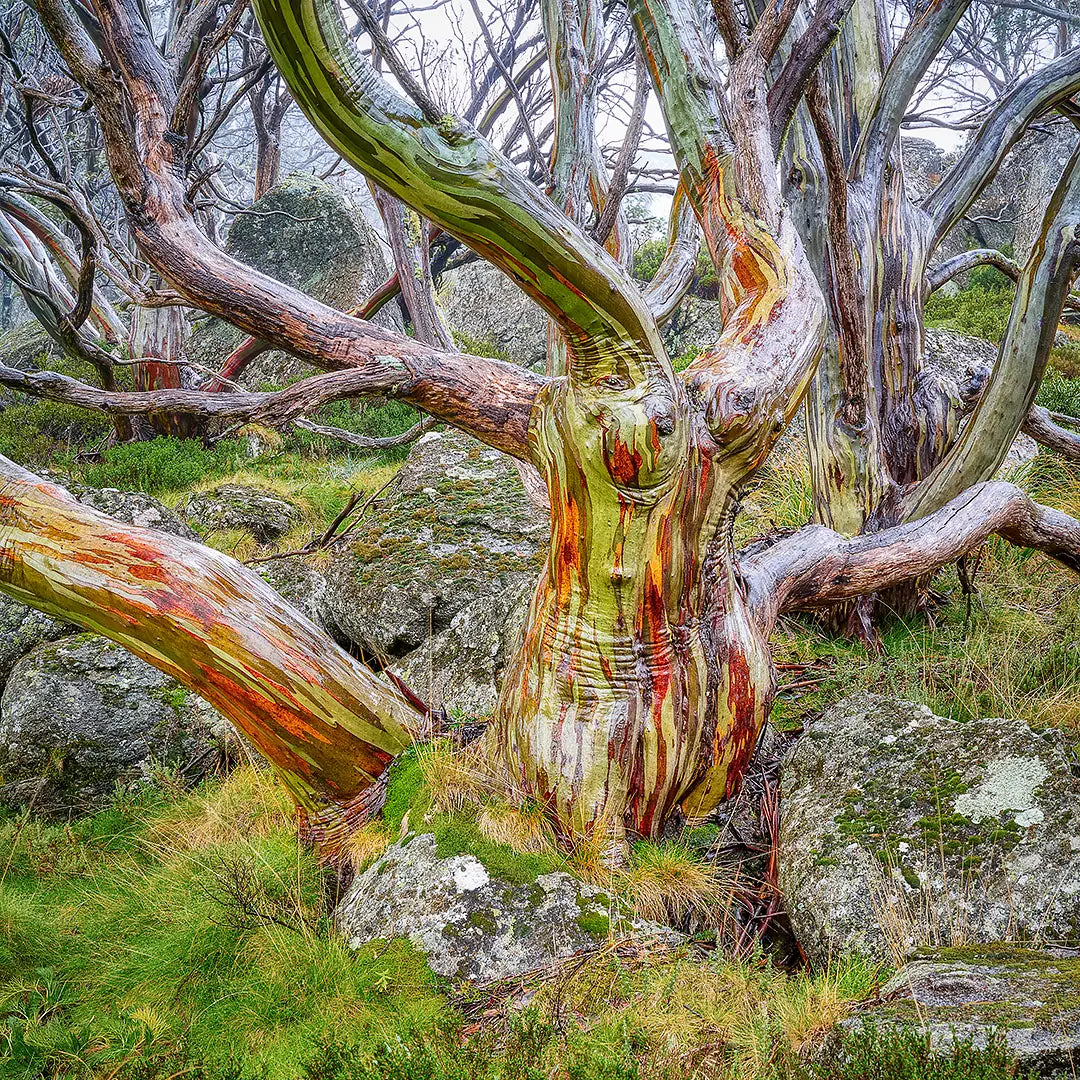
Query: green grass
x=41, y=433
x=163, y=464
x=178, y=934
x=1059, y=393
x=188, y=930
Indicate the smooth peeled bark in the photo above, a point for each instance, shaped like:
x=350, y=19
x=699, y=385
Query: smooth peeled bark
x=641, y=683
x=326, y=722
x=157, y=345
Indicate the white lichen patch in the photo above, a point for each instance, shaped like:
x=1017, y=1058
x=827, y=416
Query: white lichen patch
x=470, y=874
x=1010, y=784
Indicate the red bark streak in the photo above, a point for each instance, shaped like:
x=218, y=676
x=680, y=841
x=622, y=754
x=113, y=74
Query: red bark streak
x=624, y=464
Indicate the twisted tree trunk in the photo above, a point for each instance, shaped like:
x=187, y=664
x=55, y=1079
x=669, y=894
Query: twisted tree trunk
x=643, y=677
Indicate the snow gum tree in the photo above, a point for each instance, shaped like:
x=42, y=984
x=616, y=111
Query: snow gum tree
x=643, y=675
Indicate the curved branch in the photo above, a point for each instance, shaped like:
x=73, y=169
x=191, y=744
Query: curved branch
x=936, y=276
x=328, y=724
x=453, y=177
x=944, y=272
x=676, y=271
x=816, y=566
x=1042, y=427
x=1049, y=86
x=927, y=32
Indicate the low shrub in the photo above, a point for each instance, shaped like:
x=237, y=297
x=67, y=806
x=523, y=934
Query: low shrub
x=164, y=464
x=35, y=433
x=979, y=311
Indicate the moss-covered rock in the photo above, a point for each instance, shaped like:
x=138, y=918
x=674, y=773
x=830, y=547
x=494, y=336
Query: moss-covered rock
x=900, y=828
x=27, y=347
x=306, y=233
x=264, y=514
x=473, y=924
x=440, y=571
x=134, y=508
x=1031, y=997
x=81, y=714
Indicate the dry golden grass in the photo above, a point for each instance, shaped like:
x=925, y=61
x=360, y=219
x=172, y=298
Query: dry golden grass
x=522, y=827
x=249, y=804
x=459, y=780
x=668, y=883
x=364, y=845
x=718, y=1019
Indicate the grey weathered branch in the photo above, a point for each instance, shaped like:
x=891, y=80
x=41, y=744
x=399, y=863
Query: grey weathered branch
x=985, y=152
x=815, y=566
x=1044, y=427
x=398, y=380
x=921, y=43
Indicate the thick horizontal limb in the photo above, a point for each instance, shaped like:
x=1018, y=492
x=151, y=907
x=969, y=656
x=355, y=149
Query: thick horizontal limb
x=326, y=721
x=816, y=566
x=510, y=392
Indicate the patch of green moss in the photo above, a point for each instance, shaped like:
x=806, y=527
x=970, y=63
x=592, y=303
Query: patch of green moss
x=176, y=696
x=595, y=923
x=406, y=792
x=457, y=835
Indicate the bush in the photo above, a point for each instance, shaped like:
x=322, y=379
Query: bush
x=164, y=464
x=34, y=433
x=870, y=1053
x=979, y=310
x=650, y=255
x=1060, y=394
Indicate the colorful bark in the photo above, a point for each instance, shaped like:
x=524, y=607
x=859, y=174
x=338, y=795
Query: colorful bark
x=156, y=340
x=641, y=683
x=323, y=719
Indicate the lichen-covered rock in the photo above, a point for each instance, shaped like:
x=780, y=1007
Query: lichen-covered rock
x=471, y=924
x=694, y=326
x=1030, y=998
x=955, y=361
x=441, y=569
x=135, y=508
x=309, y=235
x=490, y=312
x=28, y=347
x=81, y=714
x=237, y=506
x=23, y=628
x=956, y=358
x=300, y=580
x=900, y=829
